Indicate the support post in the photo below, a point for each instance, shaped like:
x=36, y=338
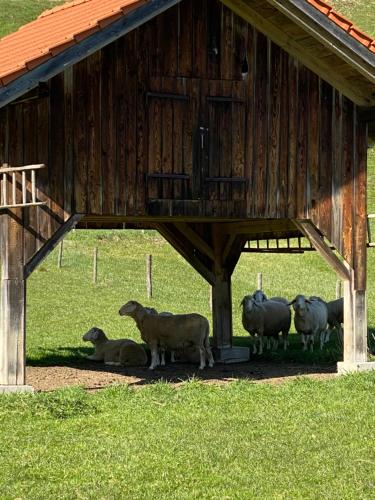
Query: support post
x=355, y=329
x=222, y=298
x=12, y=305
x=222, y=311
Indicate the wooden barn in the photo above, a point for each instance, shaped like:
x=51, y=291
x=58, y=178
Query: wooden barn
x=216, y=122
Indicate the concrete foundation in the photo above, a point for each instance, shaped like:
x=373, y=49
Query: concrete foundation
x=8, y=389
x=344, y=367
x=231, y=354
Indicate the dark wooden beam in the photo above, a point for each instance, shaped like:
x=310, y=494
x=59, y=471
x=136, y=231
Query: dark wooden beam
x=308, y=229
x=196, y=239
x=185, y=248
x=51, y=244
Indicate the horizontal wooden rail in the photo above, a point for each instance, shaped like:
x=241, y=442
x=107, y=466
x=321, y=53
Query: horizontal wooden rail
x=7, y=169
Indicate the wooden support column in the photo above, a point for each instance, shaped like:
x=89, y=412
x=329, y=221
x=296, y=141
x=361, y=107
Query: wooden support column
x=221, y=294
x=355, y=300
x=12, y=303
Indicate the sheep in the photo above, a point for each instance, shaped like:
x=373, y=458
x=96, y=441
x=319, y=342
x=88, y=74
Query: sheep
x=122, y=352
x=335, y=317
x=310, y=319
x=171, y=332
x=151, y=310
x=259, y=296
x=266, y=318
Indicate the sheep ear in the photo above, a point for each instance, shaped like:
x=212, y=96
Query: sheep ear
x=308, y=301
x=291, y=303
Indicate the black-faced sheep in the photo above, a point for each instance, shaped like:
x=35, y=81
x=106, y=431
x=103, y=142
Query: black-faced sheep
x=121, y=352
x=171, y=332
x=310, y=319
x=266, y=319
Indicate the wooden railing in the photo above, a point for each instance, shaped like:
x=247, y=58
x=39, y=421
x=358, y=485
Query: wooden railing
x=9, y=177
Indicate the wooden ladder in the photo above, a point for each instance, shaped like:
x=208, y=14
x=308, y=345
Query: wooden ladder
x=8, y=178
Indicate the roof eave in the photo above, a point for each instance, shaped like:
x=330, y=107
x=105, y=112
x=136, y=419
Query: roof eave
x=336, y=39
x=83, y=49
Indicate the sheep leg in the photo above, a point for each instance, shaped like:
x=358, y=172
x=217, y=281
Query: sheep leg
x=202, y=353
x=260, y=344
x=210, y=358
x=268, y=343
x=304, y=342
x=254, y=345
x=162, y=355
x=312, y=343
x=173, y=359
x=322, y=339
x=154, y=357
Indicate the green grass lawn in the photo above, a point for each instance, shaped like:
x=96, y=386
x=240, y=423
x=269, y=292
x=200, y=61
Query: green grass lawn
x=302, y=440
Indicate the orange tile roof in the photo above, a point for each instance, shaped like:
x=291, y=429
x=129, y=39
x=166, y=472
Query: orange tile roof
x=64, y=26
x=344, y=23
x=54, y=31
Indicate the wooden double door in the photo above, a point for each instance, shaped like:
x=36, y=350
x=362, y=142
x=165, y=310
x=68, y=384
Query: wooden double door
x=196, y=139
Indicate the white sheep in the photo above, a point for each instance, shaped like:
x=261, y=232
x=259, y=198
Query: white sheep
x=121, y=352
x=259, y=296
x=310, y=319
x=171, y=332
x=266, y=319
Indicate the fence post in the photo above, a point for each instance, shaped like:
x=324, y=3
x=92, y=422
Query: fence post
x=338, y=289
x=60, y=254
x=260, y=281
x=149, y=276
x=95, y=266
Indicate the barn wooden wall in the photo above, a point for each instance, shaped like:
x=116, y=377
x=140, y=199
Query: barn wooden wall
x=195, y=114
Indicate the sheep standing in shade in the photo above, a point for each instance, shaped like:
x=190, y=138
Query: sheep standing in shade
x=310, y=319
x=335, y=317
x=121, y=352
x=266, y=319
x=259, y=296
x=171, y=332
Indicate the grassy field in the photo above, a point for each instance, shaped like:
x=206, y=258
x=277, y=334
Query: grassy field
x=303, y=439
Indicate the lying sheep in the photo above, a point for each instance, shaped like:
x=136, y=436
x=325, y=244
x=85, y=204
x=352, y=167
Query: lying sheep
x=310, y=319
x=122, y=352
x=171, y=332
x=266, y=319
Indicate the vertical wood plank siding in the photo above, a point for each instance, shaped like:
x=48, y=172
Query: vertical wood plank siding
x=160, y=122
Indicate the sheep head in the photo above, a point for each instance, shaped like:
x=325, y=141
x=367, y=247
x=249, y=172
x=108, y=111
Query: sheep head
x=248, y=303
x=300, y=304
x=259, y=296
x=94, y=335
x=129, y=308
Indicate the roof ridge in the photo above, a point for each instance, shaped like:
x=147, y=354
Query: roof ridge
x=344, y=23
x=64, y=6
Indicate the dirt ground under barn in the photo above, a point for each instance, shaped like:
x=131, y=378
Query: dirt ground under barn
x=96, y=376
